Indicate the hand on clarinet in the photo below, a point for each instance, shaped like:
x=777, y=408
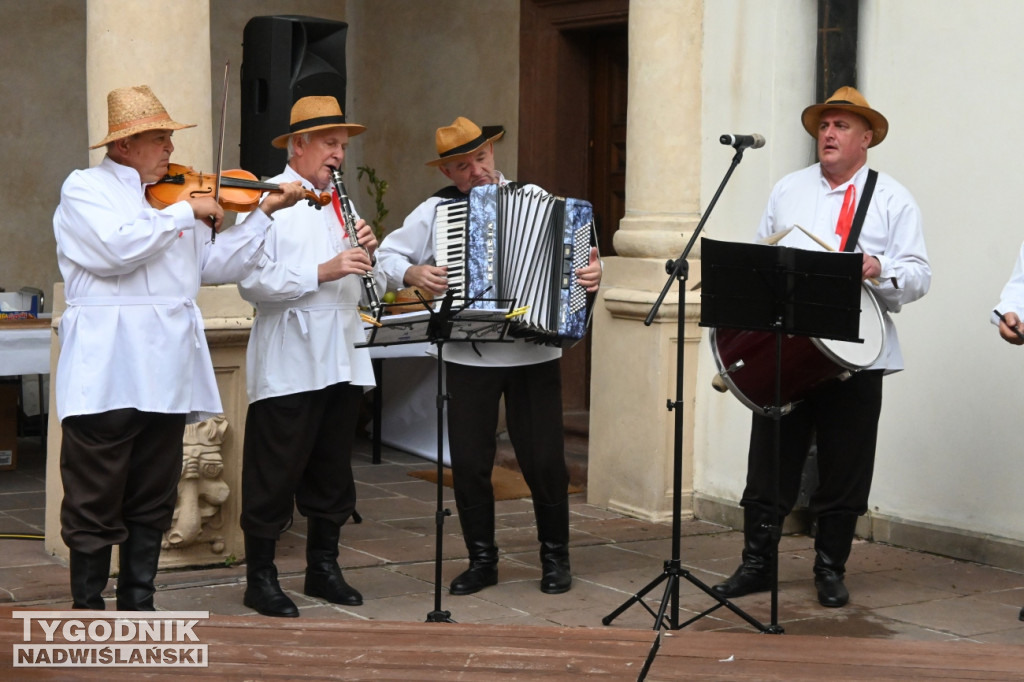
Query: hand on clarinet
x=367, y=239
x=589, y=277
x=430, y=278
x=348, y=262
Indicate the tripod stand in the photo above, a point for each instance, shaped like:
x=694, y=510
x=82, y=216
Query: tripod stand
x=678, y=271
x=443, y=325
x=438, y=331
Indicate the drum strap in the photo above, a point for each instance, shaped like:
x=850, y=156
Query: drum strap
x=862, y=210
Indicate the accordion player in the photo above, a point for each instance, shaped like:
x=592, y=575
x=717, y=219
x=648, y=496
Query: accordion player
x=524, y=245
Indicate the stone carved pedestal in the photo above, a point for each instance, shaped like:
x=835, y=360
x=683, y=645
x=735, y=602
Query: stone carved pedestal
x=198, y=517
x=206, y=530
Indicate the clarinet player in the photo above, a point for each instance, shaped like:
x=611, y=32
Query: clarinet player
x=305, y=377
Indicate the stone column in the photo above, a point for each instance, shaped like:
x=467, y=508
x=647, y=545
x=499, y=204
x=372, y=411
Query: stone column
x=631, y=458
x=166, y=47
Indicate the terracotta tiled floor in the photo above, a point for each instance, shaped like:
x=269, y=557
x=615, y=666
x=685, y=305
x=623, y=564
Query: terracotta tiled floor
x=896, y=593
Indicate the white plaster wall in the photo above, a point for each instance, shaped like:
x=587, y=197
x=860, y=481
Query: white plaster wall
x=415, y=66
x=949, y=73
x=944, y=74
x=758, y=77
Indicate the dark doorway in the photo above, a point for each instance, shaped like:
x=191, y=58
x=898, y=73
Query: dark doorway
x=572, y=133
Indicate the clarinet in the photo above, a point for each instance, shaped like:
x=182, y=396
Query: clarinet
x=353, y=239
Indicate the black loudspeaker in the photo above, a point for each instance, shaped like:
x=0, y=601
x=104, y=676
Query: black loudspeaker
x=285, y=58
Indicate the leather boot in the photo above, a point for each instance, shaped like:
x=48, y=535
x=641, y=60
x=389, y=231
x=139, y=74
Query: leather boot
x=553, y=534
x=262, y=592
x=89, y=574
x=478, y=533
x=138, y=560
x=832, y=548
x=323, y=575
x=759, y=545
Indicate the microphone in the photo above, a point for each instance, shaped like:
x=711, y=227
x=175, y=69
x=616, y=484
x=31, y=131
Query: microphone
x=754, y=141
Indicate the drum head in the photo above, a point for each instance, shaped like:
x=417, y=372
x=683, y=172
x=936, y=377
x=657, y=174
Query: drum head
x=854, y=355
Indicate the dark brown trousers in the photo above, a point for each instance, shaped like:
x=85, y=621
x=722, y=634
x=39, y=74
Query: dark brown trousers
x=118, y=467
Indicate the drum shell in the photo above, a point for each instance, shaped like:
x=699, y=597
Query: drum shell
x=803, y=366
x=805, y=362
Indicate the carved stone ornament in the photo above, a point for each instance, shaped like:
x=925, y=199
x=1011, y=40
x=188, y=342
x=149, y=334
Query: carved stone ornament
x=201, y=490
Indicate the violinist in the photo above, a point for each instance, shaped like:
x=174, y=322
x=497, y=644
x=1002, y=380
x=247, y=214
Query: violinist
x=305, y=377
x=134, y=366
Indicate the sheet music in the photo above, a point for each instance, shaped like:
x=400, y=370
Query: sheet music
x=468, y=324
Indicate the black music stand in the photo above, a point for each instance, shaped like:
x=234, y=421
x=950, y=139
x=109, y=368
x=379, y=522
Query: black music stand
x=787, y=291
x=678, y=270
x=447, y=323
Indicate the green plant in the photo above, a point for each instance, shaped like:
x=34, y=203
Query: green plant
x=376, y=188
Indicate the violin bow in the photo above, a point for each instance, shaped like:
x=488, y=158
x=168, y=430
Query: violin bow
x=220, y=144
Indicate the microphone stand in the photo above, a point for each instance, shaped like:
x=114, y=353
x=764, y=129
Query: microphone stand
x=678, y=271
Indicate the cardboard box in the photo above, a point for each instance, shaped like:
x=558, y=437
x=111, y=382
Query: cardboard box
x=8, y=425
x=15, y=305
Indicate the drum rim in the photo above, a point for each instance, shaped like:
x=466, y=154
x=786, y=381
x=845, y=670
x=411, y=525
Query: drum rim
x=842, y=362
x=730, y=384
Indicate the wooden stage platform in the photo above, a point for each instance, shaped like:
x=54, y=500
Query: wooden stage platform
x=257, y=648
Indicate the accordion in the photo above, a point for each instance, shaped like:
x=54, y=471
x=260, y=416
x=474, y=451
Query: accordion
x=524, y=245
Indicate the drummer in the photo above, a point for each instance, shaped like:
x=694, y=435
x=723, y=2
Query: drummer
x=842, y=415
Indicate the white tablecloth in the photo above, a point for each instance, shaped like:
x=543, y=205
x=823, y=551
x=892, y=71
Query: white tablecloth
x=24, y=351
x=409, y=388
x=27, y=351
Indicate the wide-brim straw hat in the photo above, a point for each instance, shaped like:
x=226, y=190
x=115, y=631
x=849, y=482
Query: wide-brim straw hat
x=316, y=113
x=462, y=138
x=847, y=99
x=134, y=110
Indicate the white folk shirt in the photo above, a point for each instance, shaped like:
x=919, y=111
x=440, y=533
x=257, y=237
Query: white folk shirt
x=303, y=336
x=413, y=244
x=1011, y=300
x=132, y=336
x=891, y=232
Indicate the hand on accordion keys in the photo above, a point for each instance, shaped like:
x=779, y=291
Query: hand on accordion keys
x=589, y=277
x=430, y=278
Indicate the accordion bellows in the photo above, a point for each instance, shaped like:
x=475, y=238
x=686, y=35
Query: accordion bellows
x=520, y=247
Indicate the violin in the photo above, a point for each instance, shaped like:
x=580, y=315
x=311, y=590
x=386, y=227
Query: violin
x=240, y=190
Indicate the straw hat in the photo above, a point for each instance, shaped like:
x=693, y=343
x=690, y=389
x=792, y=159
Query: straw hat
x=316, y=113
x=462, y=138
x=847, y=99
x=134, y=110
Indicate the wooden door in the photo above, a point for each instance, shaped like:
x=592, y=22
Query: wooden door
x=572, y=130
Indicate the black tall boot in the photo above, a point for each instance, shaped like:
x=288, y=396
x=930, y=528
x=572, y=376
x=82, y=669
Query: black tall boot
x=138, y=560
x=759, y=545
x=553, y=534
x=323, y=575
x=478, y=533
x=832, y=548
x=89, y=574
x=263, y=593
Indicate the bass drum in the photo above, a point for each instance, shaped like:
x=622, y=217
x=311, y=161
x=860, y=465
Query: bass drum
x=746, y=359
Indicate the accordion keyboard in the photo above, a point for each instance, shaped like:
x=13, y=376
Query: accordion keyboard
x=450, y=243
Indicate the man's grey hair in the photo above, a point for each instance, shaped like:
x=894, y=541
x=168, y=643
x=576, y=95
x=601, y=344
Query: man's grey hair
x=306, y=137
